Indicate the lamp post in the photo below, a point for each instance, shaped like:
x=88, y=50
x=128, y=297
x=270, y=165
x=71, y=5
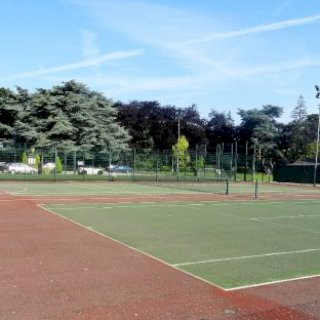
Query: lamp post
x=317, y=146
x=178, y=160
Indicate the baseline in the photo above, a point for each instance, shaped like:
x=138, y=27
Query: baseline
x=271, y=254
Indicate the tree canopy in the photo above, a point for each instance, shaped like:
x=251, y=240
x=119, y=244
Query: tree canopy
x=70, y=116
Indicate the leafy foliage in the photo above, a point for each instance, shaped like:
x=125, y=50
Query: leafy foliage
x=259, y=126
x=180, y=151
x=59, y=166
x=67, y=116
x=70, y=117
x=24, y=158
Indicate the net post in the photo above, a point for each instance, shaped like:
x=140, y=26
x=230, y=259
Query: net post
x=256, y=189
x=227, y=186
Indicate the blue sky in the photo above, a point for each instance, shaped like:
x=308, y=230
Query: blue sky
x=220, y=55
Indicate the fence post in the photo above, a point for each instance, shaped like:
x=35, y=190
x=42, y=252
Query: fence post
x=110, y=164
x=197, y=165
x=134, y=160
x=65, y=162
x=254, y=162
x=231, y=162
x=157, y=168
x=83, y=168
x=246, y=167
x=256, y=189
x=55, y=162
x=74, y=162
x=235, y=160
x=132, y=171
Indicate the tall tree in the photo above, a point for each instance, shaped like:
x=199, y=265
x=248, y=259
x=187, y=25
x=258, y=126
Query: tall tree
x=71, y=116
x=155, y=126
x=88, y=118
x=259, y=126
x=9, y=110
x=299, y=112
x=193, y=126
x=219, y=128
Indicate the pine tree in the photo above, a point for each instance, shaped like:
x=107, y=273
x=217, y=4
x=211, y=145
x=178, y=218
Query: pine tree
x=299, y=112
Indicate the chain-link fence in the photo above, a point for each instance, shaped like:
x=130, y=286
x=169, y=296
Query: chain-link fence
x=198, y=164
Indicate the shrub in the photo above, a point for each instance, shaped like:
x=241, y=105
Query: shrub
x=59, y=166
x=24, y=158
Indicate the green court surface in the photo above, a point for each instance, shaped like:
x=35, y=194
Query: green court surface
x=94, y=188
x=147, y=187
x=230, y=244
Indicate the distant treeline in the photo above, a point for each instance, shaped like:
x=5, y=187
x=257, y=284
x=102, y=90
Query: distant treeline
x=70, y=116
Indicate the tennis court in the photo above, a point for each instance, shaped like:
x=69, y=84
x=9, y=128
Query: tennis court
x=160, y=241
x=217, y=187
x=229, y=244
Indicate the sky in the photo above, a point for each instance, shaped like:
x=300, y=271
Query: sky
x=218, y=55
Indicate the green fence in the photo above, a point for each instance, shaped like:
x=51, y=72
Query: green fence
x=297, y=174
x=193, y=165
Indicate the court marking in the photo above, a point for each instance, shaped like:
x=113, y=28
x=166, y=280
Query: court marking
x=132, y=206
x=298, y=216
x=271, y=254
x=287, y=226
x=273, y=282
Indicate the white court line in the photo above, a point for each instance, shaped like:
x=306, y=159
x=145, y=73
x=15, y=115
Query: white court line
x=299, y=216
x=271, y=254
x=76, y=208
x=286, y=225
x=3, y=191
x=272, y=282
x=132, y=206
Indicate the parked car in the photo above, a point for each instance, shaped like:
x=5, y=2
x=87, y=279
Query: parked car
x=121, y=169
x=49, y=166
x=110, y=167
x=20, y=168
x=89, y=170
x=3, y=166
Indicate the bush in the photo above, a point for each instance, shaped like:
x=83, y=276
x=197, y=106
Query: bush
x=24, y=158
x=59, y=166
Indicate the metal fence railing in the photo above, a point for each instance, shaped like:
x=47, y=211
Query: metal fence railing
x=55, y=164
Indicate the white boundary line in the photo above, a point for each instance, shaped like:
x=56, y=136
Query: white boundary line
x=271, y=254
x=272, y=282
x=132, y=206
x=3, y=191
x=132, y=248
x=298, y=216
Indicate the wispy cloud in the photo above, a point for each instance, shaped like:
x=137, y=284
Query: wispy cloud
x=187, y=52
x=257, y=29
x=87, y=63
x=281, y=7
x=90, y=47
